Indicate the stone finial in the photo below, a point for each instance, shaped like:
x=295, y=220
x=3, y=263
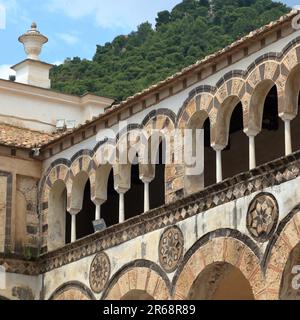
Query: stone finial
x=33, y=42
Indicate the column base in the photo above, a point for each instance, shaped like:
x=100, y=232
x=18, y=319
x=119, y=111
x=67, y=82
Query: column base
x=99, y=225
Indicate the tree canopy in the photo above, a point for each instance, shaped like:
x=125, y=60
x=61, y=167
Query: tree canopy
x=189, y=32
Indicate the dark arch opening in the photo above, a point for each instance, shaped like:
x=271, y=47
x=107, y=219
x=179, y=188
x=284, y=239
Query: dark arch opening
x=157, y=186
x=85, y=218
x=110, y=208
x=134, y=197
x=235, y=157
x=269, y=142
x=292, y=101
x=68, y=227
x=295, y=129
x=197, y=146
x=209, y=157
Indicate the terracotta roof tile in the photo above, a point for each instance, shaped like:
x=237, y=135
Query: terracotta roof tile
x=23, y=138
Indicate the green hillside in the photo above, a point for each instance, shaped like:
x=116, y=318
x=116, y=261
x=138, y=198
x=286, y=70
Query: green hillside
x=192, y=30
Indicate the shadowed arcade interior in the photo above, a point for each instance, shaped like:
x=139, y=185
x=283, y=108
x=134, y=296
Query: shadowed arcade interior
x=137, y=295
x=272, y=132
x=110, y=208
x=134, y=197
x=235, y=156
x=221, y=281
x=157, y=186
x=85, y=218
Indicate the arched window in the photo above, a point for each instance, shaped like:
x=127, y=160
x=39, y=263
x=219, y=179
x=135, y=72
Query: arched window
x=235, y=157
x=157, y=185
x=202, y=173
x=209, y=157
x=134, y=197
x=272, y=131
x=82, y=204
x=84, y=219
x=110, y=208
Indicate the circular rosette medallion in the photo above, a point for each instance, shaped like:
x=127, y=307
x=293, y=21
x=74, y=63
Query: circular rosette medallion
x=171, y=248
x=262, y=217
x=99, y=272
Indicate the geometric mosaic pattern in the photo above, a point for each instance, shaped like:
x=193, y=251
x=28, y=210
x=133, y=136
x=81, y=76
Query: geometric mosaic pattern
x=171, y=248
x=99, y=272
x=19, y=266
x=262, y=217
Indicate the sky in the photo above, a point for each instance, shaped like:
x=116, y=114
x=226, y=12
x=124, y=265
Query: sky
x=74, y=27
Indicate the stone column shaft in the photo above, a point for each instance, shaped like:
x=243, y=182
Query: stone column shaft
x=73, y=227
x=252, y=156
x=146, y=197
x=219, y=173
x=121, y=208
x=98, y=212
x=287, y=136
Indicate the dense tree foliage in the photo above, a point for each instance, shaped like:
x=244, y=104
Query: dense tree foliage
x=193, y=29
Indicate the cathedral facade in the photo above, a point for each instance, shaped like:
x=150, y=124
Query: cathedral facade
x=189, y=189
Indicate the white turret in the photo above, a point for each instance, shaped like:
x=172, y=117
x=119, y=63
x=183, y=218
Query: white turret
x=33, y=42
x=32, y=71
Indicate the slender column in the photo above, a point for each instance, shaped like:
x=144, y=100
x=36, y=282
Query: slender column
x=287, y=136
x=252, y=157
x=121, y=208
x=219, y=165
x=73, y=228
x=146, y=197
x=98, y=212
x=73, y=212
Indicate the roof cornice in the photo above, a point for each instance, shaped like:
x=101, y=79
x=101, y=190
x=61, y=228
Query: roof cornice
x=42, y=93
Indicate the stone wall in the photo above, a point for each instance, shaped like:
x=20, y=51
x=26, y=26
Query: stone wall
x=27, y=222
x=5, y=211
x=18, y=199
